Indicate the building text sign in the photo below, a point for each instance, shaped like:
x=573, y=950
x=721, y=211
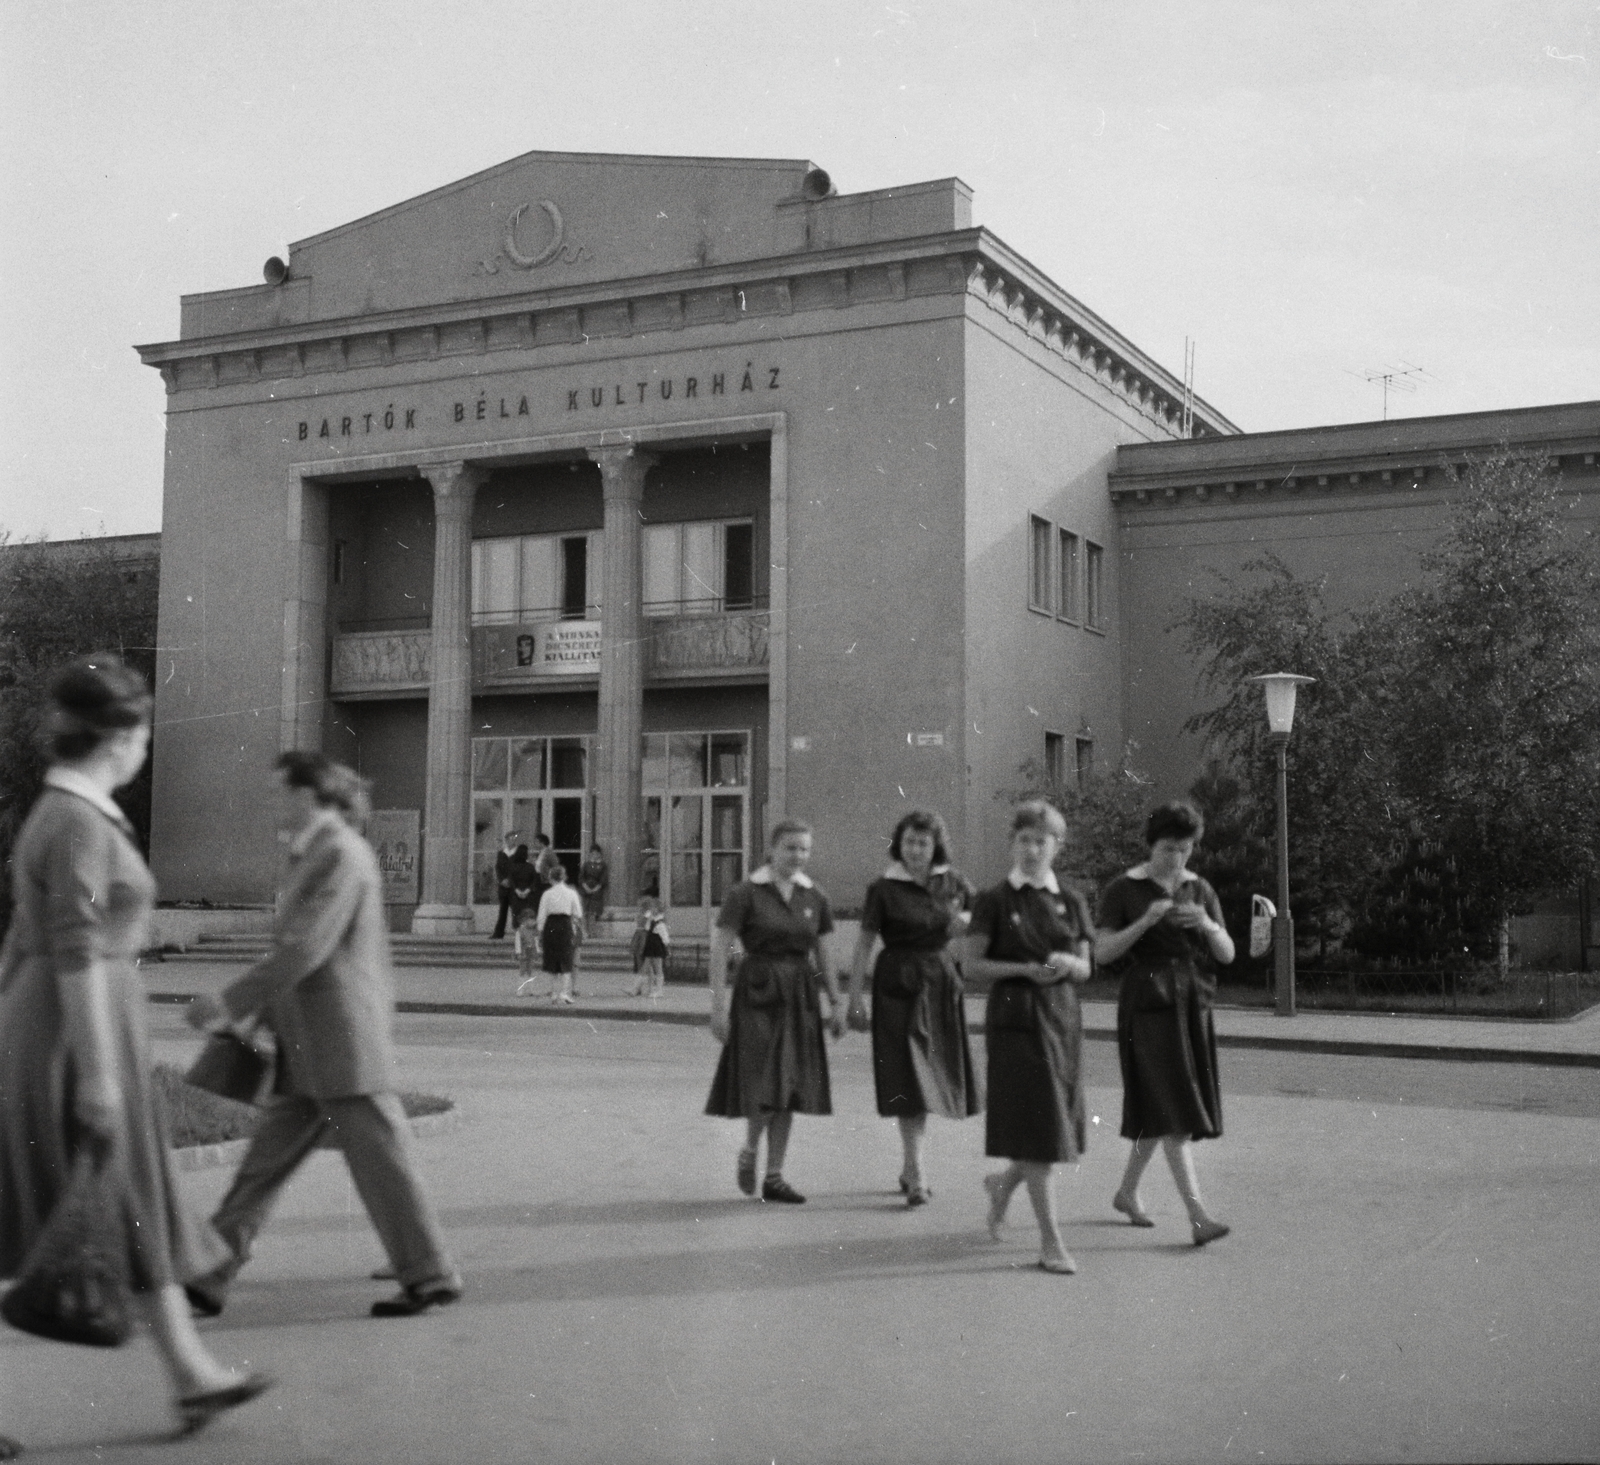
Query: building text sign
x=394, y=834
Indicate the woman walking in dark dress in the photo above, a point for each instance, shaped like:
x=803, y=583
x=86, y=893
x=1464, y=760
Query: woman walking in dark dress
x=74, y=1048
x=921, y=1060
x=1030, y=938
x=1161, y=926
x=774, y=1061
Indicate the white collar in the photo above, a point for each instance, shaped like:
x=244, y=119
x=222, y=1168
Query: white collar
x=1142, y=872
x=898, y=871
x=322, y=819
x=1018, y=881
x=70, y=781
x=764, y=876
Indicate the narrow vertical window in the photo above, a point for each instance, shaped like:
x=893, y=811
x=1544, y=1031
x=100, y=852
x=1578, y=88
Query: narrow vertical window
x=1094, y=587
x=1085, y=751
x=660, y=568
x=1067, y=566
x=338, y=563
x=1055, y=758
x=702, y=568
x=738, y=566
x=574, y=578
x=1039, y=564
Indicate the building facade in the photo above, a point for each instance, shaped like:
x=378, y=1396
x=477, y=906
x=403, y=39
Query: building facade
x=639, y=501
x=643, y=501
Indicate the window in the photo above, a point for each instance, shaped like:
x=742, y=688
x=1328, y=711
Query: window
x=338, y=561
x=1094, y=586
x=1039, y=587
x=1085, y=751
x=1055, y=758
x=538, y=576
x=699, y=569
x=1067, y=567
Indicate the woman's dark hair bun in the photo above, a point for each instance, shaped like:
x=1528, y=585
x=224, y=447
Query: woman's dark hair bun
x=90, y=697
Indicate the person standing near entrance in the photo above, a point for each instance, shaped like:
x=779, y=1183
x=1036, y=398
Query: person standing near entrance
x=592, y=881
x=560, y=926
x=326, y=990
x=502, y=875
x=774, y=1061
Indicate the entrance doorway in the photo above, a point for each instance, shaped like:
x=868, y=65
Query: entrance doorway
x=696, y=822
x=534, y=786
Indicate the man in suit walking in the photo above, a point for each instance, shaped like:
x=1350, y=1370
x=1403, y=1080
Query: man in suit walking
x=502, y=875
x=326, y=990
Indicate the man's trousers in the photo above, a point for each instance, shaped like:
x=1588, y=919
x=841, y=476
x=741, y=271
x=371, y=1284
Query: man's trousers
x=373, y=1132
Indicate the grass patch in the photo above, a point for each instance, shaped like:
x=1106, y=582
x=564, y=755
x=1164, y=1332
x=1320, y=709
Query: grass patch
x=195, y=1117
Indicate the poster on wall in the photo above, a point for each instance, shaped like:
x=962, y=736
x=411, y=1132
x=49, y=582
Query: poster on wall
x=395, y=835
x=559, y=648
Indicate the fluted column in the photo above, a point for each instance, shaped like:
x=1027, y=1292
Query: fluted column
x=446, y=907
x=618, y=796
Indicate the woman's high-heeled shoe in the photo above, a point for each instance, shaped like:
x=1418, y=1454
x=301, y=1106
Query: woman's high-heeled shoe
x=198, y=1410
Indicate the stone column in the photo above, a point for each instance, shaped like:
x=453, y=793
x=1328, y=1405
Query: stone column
x=446, y=908
x=618, y=809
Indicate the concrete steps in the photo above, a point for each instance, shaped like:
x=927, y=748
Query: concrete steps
x=599, y=955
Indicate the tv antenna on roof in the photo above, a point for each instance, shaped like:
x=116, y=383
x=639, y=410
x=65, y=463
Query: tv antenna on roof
x=1401, y=378
x=1188, y=386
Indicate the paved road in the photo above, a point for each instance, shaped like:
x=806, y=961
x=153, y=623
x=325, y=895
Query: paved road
x=1415, y=1274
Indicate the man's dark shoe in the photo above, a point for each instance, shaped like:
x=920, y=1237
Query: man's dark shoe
x=409, y=1301
x=775, y=1187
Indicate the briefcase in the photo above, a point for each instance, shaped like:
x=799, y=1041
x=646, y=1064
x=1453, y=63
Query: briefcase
x=233, y=1066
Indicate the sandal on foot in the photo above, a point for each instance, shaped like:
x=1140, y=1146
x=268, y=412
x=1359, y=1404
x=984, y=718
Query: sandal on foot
x=999, y=1199
x=918, y=1195
x=198, y=1410
x=1130, y=1209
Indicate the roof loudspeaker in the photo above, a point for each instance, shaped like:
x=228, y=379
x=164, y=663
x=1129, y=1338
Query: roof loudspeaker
x=816, y=184
x=274, y=271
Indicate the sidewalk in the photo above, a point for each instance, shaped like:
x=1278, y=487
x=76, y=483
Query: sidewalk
x=484, y=992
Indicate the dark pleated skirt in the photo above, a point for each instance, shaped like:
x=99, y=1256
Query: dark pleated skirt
x=776, y=1056
x=921, y=1058
x=1167, y=1046
x=557, y=944
x=1035, y=1040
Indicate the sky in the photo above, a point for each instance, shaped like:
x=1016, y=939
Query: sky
x=1311, y=192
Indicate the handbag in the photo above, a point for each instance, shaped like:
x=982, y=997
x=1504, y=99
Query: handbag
x=232, y=1066
x=74, y=1283
x=1262, y=911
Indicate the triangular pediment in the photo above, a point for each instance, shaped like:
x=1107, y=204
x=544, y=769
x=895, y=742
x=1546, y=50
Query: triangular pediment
x=546, y=220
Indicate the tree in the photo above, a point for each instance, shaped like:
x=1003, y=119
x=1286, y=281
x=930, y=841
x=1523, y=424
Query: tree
x=1345, y=820
x=1497, y=723
x=58, y=601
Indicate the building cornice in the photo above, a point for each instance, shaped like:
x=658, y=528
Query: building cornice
x=1366, y=456
x=968, y=262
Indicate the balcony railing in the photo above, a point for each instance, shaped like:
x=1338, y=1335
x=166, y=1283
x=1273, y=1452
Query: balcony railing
x=397, y=661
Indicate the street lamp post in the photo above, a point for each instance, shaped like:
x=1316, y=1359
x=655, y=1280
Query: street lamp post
x=1280, y=687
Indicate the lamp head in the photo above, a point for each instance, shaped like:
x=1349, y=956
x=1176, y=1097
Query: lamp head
x=1280, y=687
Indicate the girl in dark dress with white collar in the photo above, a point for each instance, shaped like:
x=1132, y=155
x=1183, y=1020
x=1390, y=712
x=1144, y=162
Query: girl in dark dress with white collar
x=774, y=1061
x=1030, y=938
x=1161, y=925
x=921, y=1060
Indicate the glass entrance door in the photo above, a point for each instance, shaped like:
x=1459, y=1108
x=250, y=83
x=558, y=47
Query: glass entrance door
x=696, y=818
x=534, y=786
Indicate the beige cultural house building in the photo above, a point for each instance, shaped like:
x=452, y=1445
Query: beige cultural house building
x=641, y=501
